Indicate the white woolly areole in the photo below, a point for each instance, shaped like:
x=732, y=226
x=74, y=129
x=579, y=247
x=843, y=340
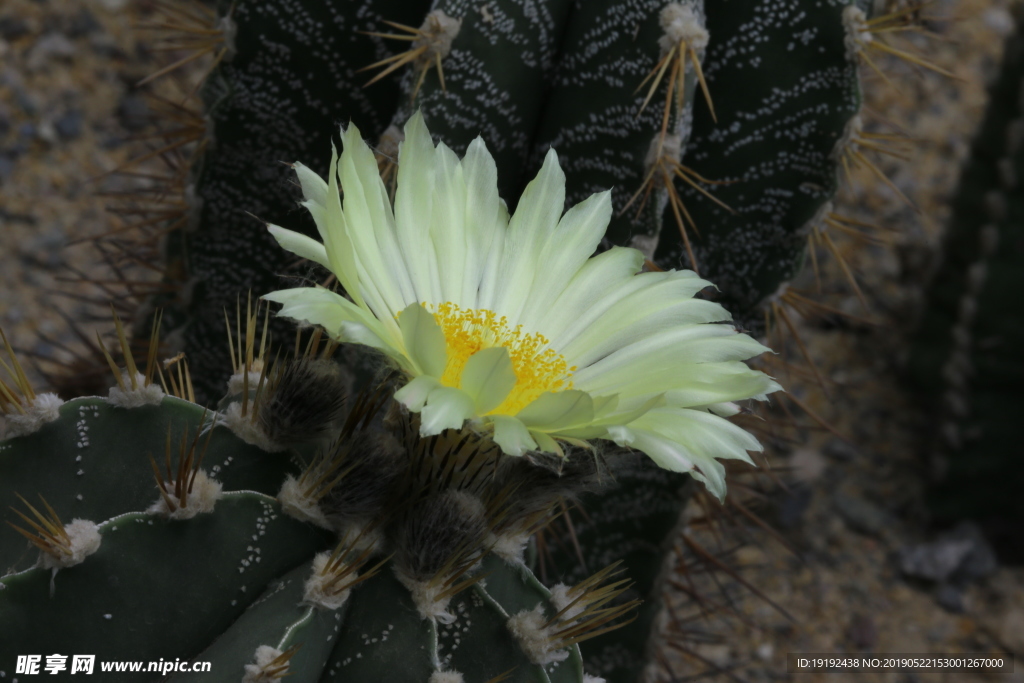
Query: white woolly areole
x=45, y=408
x=389, y=141
x=426, y=599
x=818, y=219
x=256, y=673
x=534, y=639
x=509, y=547
x=316, y=591
x=682, y=24
x=229, y=30
x=204, y=495
x=587, y=678
x=671, y=149
x=245, y=430
x=236, y=383
x=445, y=677
x=561, y=599
x=847, y=140
x=858, y=33
x=83, y=538
x=437, y=33
x=136, y=398
x=296, y=503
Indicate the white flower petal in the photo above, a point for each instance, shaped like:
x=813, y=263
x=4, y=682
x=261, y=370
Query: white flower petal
x=569, y=246
x=336, y=238
x=632, y=291
x=665, y=452
x=644, y=359
x=447, y=227
x=599, y=277
x=546, y=443
x=553, y=411
x=535, y=218
x=424, y=341
x=639, y=315
x=485, y=218
x=414, y=200
x=331, y=311
x=447, y=408
x=511, y=435
x=300, y=245
x=488, y=377
x=314, y=188
x=367, y=205
x=704, y=438
x=695, y=384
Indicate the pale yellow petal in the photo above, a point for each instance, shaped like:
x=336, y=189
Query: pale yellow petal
x=424, y=341
x=553, y=411
x=300, y=245
x=512, y=435
x=447, y=408
x=488, y=377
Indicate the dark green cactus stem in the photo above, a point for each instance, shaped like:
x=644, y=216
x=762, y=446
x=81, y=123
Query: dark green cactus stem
x=966, y=360
x=155, y=588
x=289, y=79
x=160, y=563
x=785, y=86
x=636, y=522
x=93, y=462
x=496, y=60
x=612, y=54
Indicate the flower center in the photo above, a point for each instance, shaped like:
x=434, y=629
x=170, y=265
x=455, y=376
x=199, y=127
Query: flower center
x=538, y=368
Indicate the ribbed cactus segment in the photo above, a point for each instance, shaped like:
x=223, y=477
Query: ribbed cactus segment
x=595, y=115
x=94, y=461
x=250, y=583
x=289, y=79
x=278, y=620
x=496, y=77
x=476, y=644
x=155, y=588
x=785, y=87
x=966, y=360
x=634, y=521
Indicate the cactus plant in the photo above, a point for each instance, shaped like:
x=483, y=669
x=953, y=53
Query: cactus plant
x=225, y=554
x=616, y=89
x=964, y=360
x=613, y=89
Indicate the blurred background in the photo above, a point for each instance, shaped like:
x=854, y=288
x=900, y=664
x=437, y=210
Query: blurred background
x=851, y=558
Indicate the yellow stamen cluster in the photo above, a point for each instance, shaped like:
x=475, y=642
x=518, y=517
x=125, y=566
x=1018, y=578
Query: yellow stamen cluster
x=538, y=367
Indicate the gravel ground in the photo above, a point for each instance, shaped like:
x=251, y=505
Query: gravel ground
x=853, y=505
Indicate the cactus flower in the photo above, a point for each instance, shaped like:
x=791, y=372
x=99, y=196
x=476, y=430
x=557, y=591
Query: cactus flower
x=509, y=323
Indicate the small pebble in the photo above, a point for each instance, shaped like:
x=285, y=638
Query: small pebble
x=69, y=126
x=12, y=28
x=50, y=46
x=82, y=24
x=861, y=515
x=950, y=598
x=840, y=450
x=862, y=632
